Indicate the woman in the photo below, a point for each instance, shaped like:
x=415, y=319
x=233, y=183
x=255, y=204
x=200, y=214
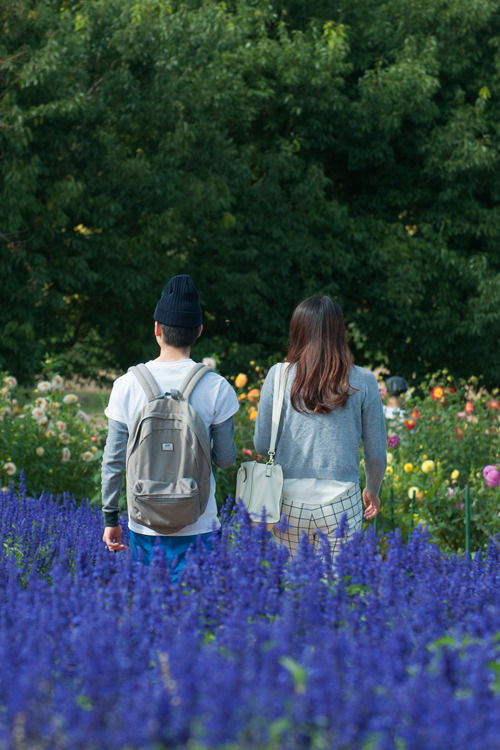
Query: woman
x=330, y=406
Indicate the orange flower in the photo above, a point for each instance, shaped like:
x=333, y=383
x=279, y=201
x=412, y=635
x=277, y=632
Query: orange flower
x=493, y=405
x=252, y=413
x=469, y=407
x=241, y=380
x=437, y=393
x=253, y=395
x=409, y=424
x=415, y=413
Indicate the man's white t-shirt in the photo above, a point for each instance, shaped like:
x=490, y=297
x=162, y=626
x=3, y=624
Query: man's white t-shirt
x=214, y=400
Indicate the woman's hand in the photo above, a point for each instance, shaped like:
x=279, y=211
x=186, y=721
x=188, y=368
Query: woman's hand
x=372, y=504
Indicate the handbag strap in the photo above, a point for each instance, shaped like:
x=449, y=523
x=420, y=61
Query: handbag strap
x=280, y=377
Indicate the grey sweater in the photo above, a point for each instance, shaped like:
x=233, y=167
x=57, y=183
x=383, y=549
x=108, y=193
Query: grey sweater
x=326, y=446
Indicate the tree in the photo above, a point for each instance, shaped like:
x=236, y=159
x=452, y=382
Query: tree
x=269, y=153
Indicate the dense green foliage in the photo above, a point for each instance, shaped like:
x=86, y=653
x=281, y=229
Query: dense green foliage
x=272, y=150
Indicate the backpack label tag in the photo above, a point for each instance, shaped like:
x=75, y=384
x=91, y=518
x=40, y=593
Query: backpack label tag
x=167, y=446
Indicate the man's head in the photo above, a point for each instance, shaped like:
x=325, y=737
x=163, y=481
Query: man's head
x=178, y=312
x=396, y=385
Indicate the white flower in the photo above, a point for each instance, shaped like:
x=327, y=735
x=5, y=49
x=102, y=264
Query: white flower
x=38, y=413
x=57, y=383
x=210, y=362
x=43, y=386
x=66, y=455
x=10, y=381
x=10, y=468
x=64, y=438
x=87, y=456
x=43, y=422
x=70, y=398
x=61, y=426
x=82, y=416
x=41, y=402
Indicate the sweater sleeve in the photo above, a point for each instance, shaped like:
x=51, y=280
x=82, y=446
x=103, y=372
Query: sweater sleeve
x=113, y=468
x=374, y=438
x=223, y=446
x=263, y=423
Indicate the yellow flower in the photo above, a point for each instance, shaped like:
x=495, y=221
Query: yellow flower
x=413, y=492
x=252, y=413
x=408, y=467
x=389, y=470
x=428, y=466
x=40, y=451
x=241, y=380
x=242, y=397
x=455, y=474
x=389, y=458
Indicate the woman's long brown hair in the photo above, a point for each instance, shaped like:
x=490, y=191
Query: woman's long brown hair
x=319, y=350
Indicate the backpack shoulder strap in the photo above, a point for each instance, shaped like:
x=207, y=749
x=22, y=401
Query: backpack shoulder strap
x=147, y=381
x=191, y=380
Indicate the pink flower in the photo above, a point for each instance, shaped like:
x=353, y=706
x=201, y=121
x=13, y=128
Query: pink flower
x=469, y=407
x=392, y=441
x=247, y=452
x=491, y=476
x=450, y=492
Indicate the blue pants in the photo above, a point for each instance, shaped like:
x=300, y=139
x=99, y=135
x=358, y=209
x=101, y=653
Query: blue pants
x=174, y=547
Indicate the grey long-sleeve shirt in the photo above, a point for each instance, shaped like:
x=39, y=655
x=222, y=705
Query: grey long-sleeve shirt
x=326, y=446
x=115, y=453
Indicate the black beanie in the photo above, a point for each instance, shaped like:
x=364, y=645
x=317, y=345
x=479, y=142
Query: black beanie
x=396, y=385
x=179, y=304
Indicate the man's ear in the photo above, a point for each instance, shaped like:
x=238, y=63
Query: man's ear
x=200, y=329
x=158, y=329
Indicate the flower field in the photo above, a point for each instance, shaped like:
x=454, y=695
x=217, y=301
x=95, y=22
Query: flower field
x=50, y=438
x=446, y=443
x=400, y=648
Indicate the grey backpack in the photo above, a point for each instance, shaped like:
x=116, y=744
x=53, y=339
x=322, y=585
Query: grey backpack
x=168, y=456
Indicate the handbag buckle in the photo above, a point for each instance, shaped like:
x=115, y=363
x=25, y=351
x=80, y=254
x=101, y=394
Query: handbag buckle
x=271, y=455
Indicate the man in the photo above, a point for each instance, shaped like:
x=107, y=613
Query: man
x=396, y=387
x=178, y=324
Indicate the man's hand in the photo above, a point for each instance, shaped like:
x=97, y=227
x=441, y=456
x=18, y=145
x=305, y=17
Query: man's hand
x=372, y=504
x=112, y=538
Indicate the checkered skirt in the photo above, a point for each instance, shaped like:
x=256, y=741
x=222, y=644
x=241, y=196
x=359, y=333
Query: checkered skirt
x=302, y=517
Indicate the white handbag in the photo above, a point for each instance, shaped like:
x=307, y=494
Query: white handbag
x=259, y=486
